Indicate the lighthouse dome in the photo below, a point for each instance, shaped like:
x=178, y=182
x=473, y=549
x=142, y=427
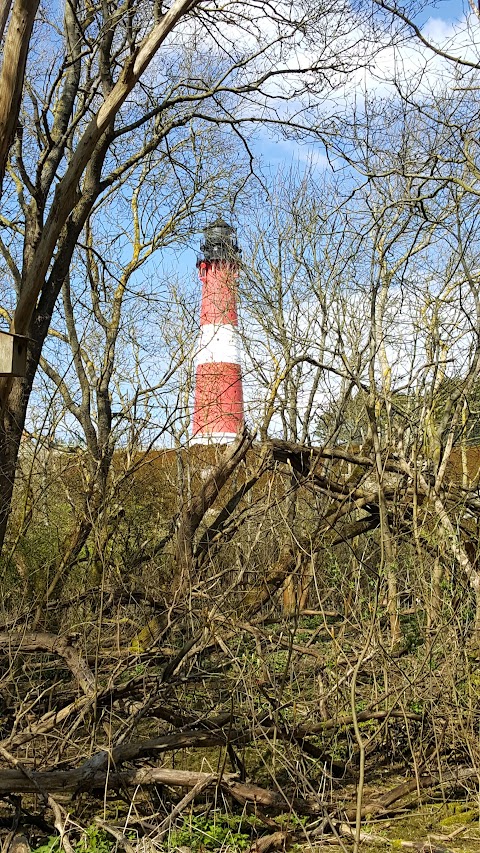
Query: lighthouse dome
x=220, y=242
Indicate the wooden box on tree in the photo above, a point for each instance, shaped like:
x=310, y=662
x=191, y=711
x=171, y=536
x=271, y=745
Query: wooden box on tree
x=13, y=354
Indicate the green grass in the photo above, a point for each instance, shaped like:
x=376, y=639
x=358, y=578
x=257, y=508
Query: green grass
x=92, y=840
x=211, y=832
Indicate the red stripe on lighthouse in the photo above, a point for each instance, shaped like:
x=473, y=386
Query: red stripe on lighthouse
x=218, y=399
x=219, y=304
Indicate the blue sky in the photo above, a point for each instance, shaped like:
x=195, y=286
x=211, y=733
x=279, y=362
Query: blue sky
x=444, y=21
x=446, y=10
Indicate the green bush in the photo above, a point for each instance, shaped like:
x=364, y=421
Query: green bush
x=210, y=832
x=92, y=840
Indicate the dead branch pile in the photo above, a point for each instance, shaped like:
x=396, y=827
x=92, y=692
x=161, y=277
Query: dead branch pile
x=127, y=705
x=167, y=728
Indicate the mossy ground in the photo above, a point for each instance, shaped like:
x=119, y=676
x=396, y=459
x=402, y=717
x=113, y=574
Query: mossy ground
x=452, y=826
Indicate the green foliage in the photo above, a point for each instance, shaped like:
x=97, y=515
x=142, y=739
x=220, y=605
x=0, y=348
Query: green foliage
x=51, y=845
x=278, y=661
x=92, y=840
x=292, y=821
x=211, y=832
x=95, y=840
x=413, y=632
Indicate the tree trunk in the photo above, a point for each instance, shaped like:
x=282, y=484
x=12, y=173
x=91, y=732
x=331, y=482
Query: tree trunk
x=57, y=235
x=194, y=512
x=13, y=70
x=11, y=430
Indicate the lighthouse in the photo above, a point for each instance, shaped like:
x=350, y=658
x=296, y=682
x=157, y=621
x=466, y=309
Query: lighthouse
x=218, y=409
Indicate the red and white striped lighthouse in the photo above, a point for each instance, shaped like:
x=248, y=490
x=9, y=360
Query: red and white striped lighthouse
x=218, y=410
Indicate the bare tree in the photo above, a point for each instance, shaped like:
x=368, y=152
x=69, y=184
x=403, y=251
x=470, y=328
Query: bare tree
x=428, y=186
x=120, y=347
x=303, y=344
x=104, y=123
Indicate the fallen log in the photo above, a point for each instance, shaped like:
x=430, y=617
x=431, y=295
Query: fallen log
x=276, y=841
x=95, y=774
x=23, y=642
x=48, y=722
x=380, y=804
x=347, y=720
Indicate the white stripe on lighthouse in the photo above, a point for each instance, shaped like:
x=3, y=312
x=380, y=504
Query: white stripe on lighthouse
x=213, y=437
x=217, y=344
